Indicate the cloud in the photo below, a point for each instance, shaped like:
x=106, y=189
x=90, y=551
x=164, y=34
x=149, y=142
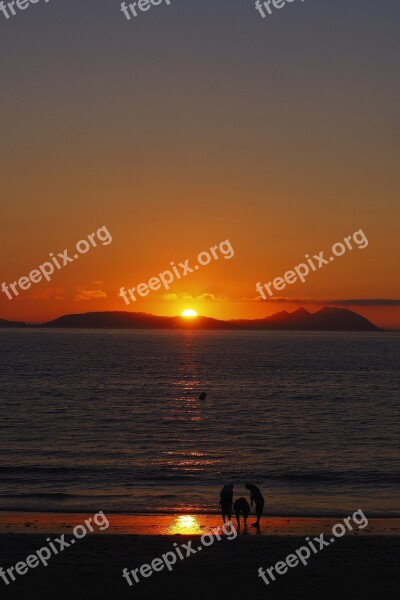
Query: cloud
x=170, y=297
x=189, y=298
x=370, y=302
x=51, y=293
x=207, y=298
x=87, y=294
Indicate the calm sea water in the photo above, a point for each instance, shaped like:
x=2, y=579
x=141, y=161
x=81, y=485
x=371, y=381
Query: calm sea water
x=112, y=420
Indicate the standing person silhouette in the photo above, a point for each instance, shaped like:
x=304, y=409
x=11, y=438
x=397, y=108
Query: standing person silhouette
x=257, y=498
x=225, y=501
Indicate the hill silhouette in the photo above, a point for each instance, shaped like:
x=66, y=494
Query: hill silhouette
x=326, y=319
x=11, y=324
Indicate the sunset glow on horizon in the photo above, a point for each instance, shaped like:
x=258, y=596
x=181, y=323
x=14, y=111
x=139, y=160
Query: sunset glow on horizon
x=171, y=174
x=189, y=313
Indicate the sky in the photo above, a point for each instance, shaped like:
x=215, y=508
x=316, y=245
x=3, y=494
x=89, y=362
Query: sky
x=192, y=124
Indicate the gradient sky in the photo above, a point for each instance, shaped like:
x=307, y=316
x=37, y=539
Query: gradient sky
x=195, y=123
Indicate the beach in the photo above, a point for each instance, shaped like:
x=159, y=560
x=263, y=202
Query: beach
x=362, y=565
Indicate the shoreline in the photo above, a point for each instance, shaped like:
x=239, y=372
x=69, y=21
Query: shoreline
x=186, y=524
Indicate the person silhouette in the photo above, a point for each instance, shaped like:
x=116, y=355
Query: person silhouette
x=241, y=507
x=225, y=501
x=257, y=498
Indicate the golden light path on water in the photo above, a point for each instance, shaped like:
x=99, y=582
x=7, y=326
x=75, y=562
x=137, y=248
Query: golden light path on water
x=185, y=524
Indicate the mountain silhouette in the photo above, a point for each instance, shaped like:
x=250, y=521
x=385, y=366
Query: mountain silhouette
x=11, y=324
x=326, y=319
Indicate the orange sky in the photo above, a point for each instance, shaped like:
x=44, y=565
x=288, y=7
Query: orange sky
x=224, y=288
x=280, y=140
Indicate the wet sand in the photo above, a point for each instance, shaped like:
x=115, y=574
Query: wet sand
x=16, y=522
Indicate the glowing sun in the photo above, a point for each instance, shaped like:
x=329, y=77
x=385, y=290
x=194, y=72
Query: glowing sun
x=189, y=312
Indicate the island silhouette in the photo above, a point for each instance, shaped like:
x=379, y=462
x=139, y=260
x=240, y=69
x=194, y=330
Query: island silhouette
x=326, y=319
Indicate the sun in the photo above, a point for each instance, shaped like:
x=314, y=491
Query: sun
x=189, y=312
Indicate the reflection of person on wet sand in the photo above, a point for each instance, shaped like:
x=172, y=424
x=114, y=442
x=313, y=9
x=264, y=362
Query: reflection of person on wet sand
x=241, y=507
x=225, y=501
x=257, y=498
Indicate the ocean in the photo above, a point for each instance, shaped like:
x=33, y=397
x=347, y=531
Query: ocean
x=112, y=420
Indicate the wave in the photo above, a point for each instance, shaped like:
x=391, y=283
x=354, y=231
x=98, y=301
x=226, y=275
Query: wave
x=123, y=509
x=130, y=476
x=55, y=495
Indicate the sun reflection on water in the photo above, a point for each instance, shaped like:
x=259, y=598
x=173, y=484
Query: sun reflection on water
x=186, y=525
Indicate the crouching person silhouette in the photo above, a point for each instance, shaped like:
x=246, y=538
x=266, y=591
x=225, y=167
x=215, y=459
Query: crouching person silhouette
x=241, y=508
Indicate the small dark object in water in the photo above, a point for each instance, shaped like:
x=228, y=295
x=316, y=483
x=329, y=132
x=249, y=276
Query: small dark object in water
x=202, y=396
